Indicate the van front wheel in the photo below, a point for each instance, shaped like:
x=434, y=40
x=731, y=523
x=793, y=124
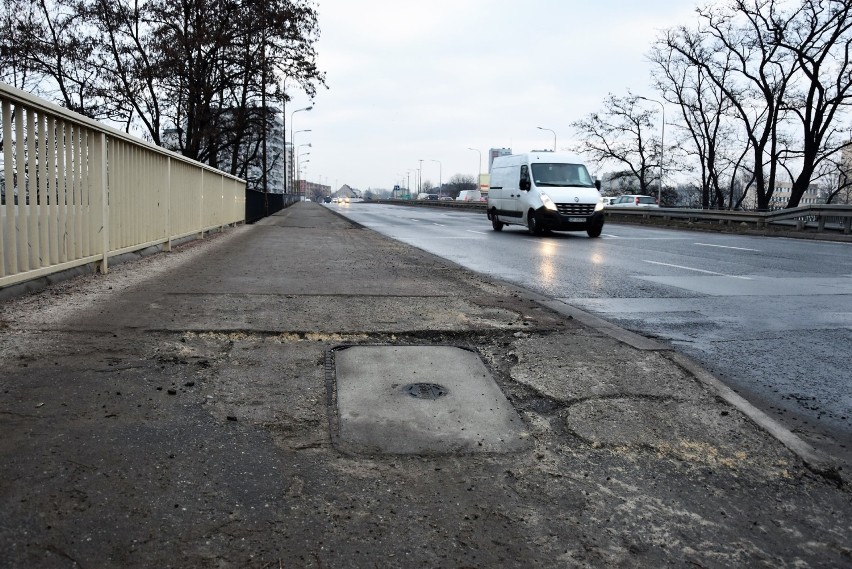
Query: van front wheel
x=534, y=223
x=496, y=224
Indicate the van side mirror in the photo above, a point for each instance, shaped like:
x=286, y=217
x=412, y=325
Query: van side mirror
x=598, y=184
x=524, y=184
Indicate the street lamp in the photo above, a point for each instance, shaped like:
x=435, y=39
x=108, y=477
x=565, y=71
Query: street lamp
x=479, y=168
x=440, y=180
x=554, y=135
x=662, y=144
x=298, y=155
x=420, y=178
x=408, y=187
x=291, y=128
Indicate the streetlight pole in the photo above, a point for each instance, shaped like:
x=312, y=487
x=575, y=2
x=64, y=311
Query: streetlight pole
x=440, y=180
x=298, y=156
x=420, y=178
x=301, y=178
x=479, y=168
x=554, y=135
x=662, y=144
x=408, y=187
x=294, y=147
x=291, y=134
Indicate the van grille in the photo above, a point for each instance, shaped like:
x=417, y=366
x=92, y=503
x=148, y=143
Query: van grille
x=576, y=208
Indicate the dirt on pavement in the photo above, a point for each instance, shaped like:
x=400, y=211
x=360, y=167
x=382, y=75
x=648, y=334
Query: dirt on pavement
x=178, y=412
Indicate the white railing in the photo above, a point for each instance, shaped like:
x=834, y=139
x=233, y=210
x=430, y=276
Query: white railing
x=76, y=192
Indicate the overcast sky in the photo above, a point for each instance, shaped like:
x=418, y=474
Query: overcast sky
x=428, y=80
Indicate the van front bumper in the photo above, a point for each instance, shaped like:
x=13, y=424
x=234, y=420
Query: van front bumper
x=555, y=221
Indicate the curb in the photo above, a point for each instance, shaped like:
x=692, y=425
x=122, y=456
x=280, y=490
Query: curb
x=815, y=460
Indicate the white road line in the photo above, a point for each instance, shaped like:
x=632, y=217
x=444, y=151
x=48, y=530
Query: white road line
x=477, y=232
x=728, y=247
x=438, y=224
x=647, y=238
x=696, y=270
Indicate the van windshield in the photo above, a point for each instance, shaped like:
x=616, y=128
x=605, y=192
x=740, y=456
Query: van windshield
x=561, y=175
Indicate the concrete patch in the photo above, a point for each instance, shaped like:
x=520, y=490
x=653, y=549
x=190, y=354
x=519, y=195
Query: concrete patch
x=421, y=400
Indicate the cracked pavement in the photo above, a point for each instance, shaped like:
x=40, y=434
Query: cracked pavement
x=174, y=413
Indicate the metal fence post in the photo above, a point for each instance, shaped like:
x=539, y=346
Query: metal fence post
x=101, y=192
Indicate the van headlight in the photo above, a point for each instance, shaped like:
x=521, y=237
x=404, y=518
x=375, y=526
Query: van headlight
x=600, y=205
x=548, y=203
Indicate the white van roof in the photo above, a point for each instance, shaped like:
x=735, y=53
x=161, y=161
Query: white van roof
x=554, y=157
x=533, y=157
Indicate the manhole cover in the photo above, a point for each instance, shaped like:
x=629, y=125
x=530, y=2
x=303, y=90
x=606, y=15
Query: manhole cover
x=451, y=406
x=425, y=390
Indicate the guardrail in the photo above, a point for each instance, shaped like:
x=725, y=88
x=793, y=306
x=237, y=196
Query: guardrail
x=819, y=218
x=74, y=191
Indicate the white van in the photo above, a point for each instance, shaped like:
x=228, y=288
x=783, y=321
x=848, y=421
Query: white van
x=469, y=196
x=544, y=191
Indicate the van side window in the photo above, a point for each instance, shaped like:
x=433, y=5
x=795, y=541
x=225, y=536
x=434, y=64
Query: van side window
x=524, y=182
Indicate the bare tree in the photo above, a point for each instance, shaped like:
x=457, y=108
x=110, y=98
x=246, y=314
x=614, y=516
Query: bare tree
x=206, y=70
x=735, y=48
x=703, y=112
x=819, y=37
x=459, y=183
x=47, y=39
x=779, y=64
x=621, y=134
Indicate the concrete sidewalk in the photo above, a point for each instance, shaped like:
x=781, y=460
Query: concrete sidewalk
x=182, y=411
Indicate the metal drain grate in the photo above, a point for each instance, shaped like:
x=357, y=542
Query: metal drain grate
x=425, y=390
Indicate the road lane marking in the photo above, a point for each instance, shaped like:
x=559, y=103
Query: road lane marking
x=728, y=247
x=646, y=238
x=696, y=270
x=477, y=232
x=438, y=224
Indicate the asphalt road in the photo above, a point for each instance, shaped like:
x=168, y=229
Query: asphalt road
x=770, y=316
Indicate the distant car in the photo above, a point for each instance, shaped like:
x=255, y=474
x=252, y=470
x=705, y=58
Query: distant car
x=445, y=198
x=327, y=199
x=635, y=200
x=609, y=200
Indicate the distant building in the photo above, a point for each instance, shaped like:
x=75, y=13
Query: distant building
x=252, y=146
x=311, y=190
x=843, y=182
x=494, y=153
x=275, y=157
x=346, y=192
x=783, y=190
x=289, y=175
